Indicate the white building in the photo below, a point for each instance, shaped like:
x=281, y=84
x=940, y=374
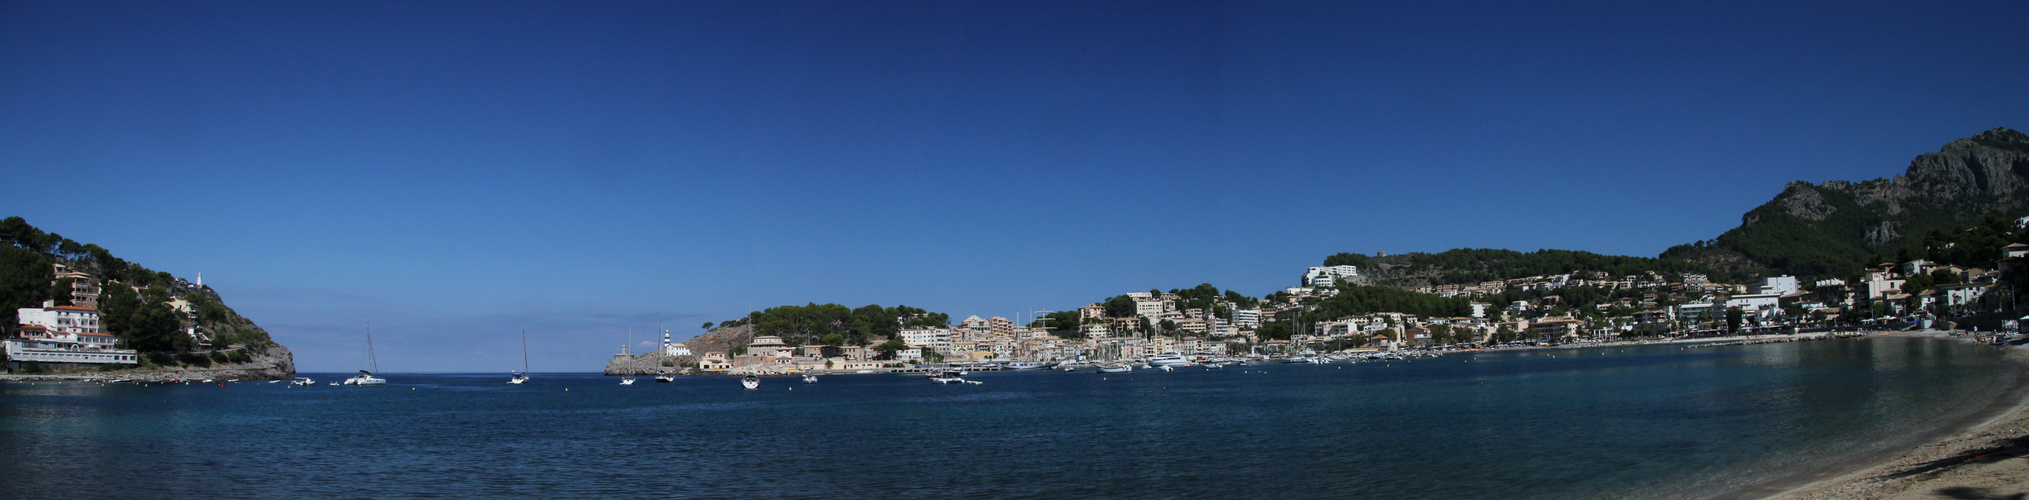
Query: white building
x=931, y=337
x=1246, y=317
x=1779, y=285
x=1323, y=275
x=1151, y=309
x=63, y=319
x=1760, y=303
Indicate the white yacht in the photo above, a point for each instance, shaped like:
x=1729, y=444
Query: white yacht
x=1169, y=359
x=1116, y=368
x=521, y=377
x=1027, y=365
x=365, y=377
x=751, y=382
x=809, y=378
x=665, y=378
x=946, y=378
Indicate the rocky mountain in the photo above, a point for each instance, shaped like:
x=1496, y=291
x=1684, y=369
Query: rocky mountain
x=1838, y=227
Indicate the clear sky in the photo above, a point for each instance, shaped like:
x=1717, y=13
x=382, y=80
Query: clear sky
x=455, y=171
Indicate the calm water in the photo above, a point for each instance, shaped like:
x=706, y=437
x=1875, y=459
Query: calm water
x=1657, y=421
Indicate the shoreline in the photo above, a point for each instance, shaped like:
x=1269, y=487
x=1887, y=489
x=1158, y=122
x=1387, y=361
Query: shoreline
x=1982, y=455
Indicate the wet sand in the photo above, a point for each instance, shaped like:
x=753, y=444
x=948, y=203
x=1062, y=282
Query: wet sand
x=1985, y=456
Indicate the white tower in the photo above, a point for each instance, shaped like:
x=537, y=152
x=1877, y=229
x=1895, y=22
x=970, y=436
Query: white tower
x=200, y=279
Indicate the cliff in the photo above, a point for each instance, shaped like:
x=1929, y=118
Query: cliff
x=1838, y=227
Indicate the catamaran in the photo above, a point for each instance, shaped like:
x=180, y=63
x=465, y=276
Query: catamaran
x=365, y=377
x=521, y=377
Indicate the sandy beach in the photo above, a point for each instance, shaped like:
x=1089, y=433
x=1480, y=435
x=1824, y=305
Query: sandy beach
x=1987, y=460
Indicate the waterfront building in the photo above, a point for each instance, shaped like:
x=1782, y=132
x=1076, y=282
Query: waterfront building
x=926, y=336
x=62, y=319
x=714, y=362
x=1000, y=326
x=768, y=346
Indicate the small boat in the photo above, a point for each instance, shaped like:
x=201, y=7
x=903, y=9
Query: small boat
x=629, y=380
x=521, y=377
x=665, y=378
x=809, y=378
x=1027, y=365
x=862, y=371
x=1116, y=368
x=301, y=381
x=365, y=378
x=751, y=382
x=1213, y=366
x=946, y=378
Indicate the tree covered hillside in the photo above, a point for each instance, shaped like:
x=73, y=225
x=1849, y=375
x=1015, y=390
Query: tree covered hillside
x=1474, y=265
x=134, y=302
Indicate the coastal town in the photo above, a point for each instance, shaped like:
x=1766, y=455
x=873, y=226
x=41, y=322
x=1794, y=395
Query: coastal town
x=1207, y=326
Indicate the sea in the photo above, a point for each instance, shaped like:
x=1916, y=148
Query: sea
x=1651, y=421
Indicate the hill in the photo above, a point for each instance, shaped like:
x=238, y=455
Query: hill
x=1838, y=227
x=1475, y=265
x=150, y=311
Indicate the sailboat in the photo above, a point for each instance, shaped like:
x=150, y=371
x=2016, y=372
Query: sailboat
x=628, y=379
x=521, y=377
x=365, y=377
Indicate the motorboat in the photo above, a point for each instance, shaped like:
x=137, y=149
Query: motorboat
x=751, y=382
x=1116, y=368
x=1167, y=368
x=665, y=378
x=1169, y=359
x=1027, y=365
x=628, y=380
x=302, y=381
x=1214, y=366
x=809, y=378
x=946, y=378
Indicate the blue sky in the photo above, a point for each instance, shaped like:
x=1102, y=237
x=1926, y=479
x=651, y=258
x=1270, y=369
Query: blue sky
x=455, y=171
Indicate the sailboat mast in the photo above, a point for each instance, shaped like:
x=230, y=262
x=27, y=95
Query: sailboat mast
x=524, y=350
x=369, y=348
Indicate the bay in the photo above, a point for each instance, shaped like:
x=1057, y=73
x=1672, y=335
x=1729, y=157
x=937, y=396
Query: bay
x=1653, y=421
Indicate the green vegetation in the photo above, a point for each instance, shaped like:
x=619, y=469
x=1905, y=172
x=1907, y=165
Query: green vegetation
x=815, y=323
x=142, y=319
x=1474, y=265
x=1358, y=300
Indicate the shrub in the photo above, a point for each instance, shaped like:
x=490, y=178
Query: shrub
x=161, y=359
x=218, y=357
x=194, y=359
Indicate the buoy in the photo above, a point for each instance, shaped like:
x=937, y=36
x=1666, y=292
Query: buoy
x=567, y=389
